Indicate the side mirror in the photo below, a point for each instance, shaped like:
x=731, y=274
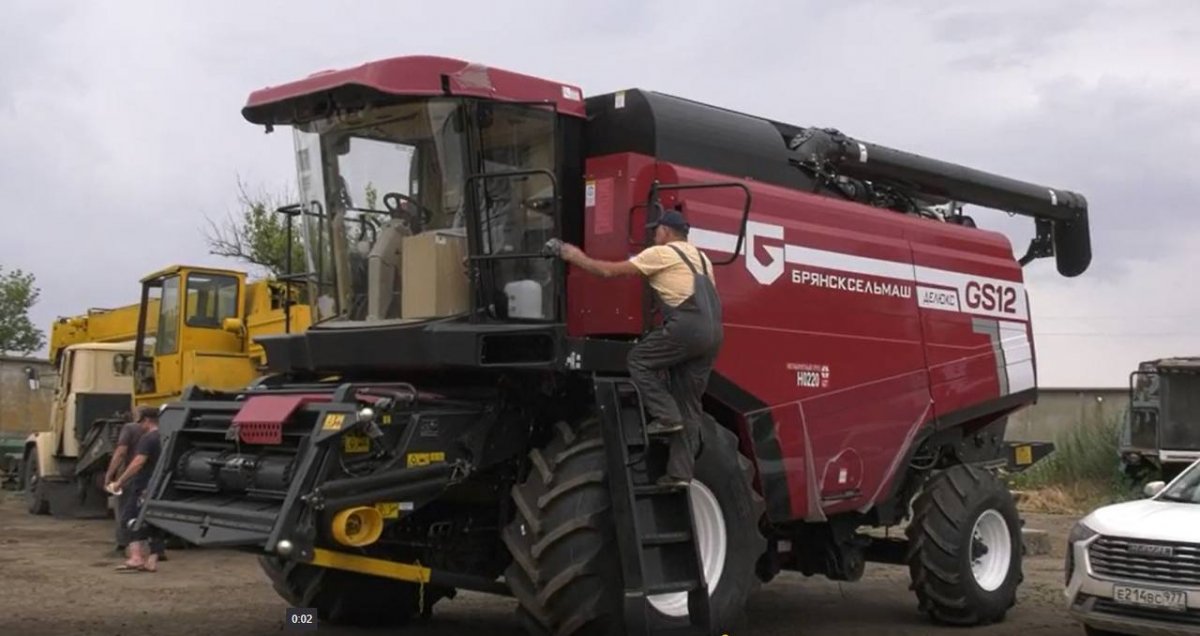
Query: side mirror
x=233, y=325
x=1153, y=488
x=31, y=376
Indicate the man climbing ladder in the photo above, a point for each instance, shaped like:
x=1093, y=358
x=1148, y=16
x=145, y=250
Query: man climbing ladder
x=683, y=348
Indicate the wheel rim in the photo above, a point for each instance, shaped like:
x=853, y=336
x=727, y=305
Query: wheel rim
x=712, y=539
x=991, y=550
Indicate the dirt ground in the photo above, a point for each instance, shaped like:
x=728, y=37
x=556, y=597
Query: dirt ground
x=57, y=577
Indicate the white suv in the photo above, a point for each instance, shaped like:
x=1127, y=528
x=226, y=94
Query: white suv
x=1134, y=567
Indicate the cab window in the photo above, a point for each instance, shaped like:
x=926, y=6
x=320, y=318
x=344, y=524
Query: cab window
x=517, y=212
x=211, y=299
x=167, y=339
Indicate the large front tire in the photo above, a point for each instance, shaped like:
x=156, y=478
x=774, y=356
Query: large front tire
x=349, y=598
x=31, y=482
x=565, y=573
x=965, y=547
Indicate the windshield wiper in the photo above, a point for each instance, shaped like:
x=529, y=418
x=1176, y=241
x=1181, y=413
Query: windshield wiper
x=1176, y=498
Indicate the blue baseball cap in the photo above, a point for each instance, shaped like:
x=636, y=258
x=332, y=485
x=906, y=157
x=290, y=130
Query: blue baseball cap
x=672, y=219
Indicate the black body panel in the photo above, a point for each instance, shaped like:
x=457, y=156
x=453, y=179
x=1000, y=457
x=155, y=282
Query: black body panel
x=680, y=131
x=90, y=407
x=737, y=145
x=394, y=346
x=1179, y=420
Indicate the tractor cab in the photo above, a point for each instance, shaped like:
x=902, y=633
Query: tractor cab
x=428, y=190
x=1161, y=430
x=200, y=318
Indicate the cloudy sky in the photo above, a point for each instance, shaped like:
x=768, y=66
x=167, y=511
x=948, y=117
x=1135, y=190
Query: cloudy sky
x=120, y=128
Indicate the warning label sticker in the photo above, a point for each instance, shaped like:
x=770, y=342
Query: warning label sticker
x=809, y=375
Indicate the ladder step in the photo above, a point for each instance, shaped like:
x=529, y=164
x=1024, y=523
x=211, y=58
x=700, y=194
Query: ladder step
x=665, y=538
x=654, y=524
x=671, y=588
x=649, y=490
x=661, y=434
x=688, y=630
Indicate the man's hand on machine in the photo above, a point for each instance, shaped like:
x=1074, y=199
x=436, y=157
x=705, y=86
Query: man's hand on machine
x=565, y=251
x=570, y=253
x=576, y=257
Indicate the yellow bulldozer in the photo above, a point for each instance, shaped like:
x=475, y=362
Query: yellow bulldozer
x=194, y=326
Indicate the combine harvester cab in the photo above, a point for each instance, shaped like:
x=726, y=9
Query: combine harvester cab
x=459, y=416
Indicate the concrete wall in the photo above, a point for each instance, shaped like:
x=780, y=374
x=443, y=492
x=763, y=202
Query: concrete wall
x=22, y=410
x=1058, y=410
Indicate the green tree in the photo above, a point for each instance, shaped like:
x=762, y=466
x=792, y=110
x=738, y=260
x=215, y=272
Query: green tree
x=256, y=234
x=18, y=293
x=371, y=195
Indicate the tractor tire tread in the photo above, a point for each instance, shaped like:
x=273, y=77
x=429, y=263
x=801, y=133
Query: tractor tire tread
x=564, y=574
x=937, y=558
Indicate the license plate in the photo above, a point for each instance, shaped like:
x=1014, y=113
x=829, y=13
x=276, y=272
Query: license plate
x=1171, y=600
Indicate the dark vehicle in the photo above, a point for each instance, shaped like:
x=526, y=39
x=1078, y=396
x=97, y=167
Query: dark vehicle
x=1161, y=431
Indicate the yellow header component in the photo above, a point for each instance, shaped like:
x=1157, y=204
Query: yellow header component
x=368, y=565
x=356, y=527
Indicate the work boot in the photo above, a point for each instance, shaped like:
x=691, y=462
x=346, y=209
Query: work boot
x=667, y=481
x=660, y=427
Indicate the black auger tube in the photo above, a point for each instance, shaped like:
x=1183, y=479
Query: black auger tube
x=960, y=183
x=1067, y=210
x=387, y=479
x=402, y=492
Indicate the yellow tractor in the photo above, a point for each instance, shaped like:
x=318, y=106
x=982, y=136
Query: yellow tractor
x=194, y=326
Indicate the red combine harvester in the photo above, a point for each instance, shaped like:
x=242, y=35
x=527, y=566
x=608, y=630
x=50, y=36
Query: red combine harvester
x=460, y=416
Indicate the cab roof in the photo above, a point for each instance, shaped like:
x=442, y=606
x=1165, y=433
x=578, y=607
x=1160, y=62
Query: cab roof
x=317, y=94
x=175, y=269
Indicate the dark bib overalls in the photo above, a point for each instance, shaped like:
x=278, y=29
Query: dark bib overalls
x=684, y=348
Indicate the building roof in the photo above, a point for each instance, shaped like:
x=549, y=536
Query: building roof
x=24, y=359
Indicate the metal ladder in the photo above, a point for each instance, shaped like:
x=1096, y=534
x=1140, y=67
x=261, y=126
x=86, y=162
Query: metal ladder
x=654, y=524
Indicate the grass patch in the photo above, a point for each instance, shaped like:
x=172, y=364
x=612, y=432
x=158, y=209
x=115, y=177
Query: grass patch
x=1083, y=472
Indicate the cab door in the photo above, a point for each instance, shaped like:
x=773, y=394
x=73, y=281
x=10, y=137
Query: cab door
x=213, y=332
x=211, y=298
x=167, y=345
x=62, y=398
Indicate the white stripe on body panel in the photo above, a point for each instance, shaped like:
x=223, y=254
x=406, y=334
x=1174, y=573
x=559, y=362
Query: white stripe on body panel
x=1018, y=355
x=976, y=295
x=861, y=265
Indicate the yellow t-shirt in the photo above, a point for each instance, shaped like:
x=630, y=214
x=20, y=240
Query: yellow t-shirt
x=668, y=274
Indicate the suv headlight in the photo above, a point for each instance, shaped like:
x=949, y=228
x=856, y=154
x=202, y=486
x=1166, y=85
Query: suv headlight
x=1079, y=532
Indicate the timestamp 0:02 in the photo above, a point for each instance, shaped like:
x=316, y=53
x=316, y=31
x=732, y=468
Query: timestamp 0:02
x=300, y=619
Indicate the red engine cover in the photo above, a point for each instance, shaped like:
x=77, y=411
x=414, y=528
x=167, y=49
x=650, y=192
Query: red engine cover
x=851, y=327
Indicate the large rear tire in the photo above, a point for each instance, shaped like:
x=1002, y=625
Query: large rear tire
x=965, y=547
x=31, y=482
x=565, y=573
x=349, y=598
